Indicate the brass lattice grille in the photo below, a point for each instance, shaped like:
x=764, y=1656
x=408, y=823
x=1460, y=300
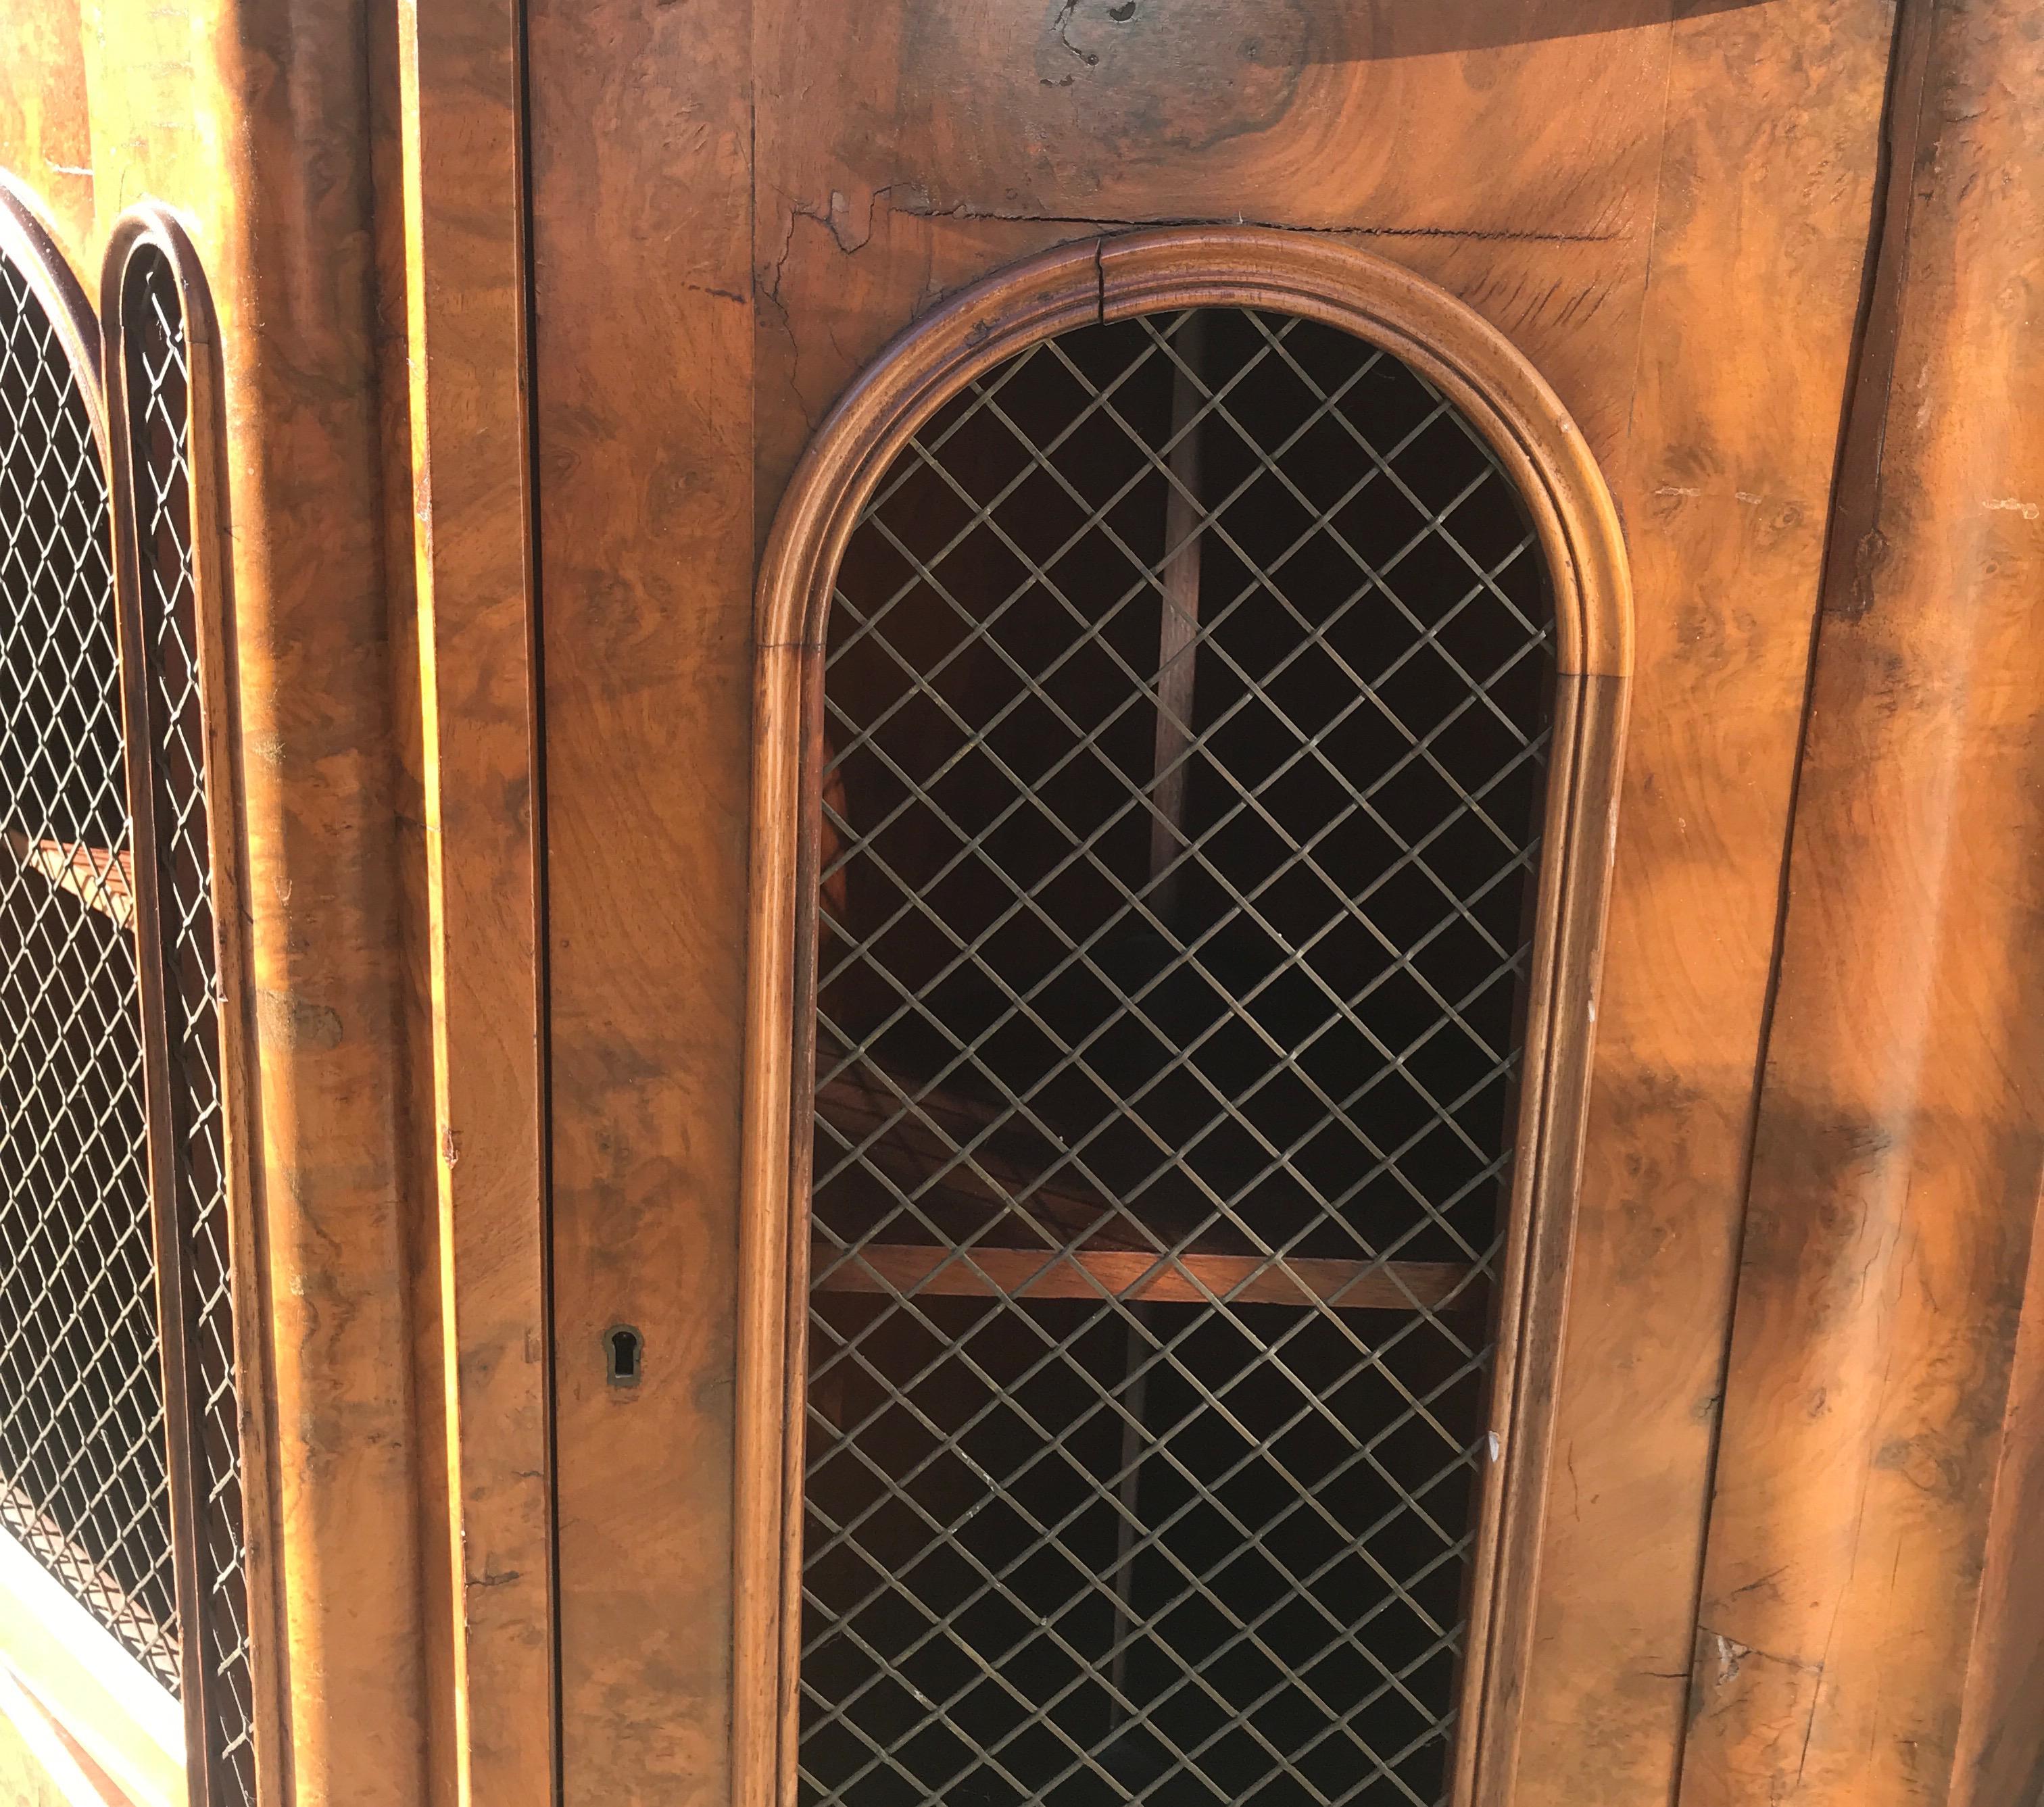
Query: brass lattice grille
x=1185, y=717
x=158, y=389
x=82, y=1482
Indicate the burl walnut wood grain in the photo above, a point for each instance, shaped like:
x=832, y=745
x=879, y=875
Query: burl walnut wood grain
x=251, y=121
x=259, y=123
x=1870, y=1623
x=1765, y=193
x=641, y=123
x=466, y=352
x=285, y=217
x=1667, y=209
x=1670, y=218
x=280, y=132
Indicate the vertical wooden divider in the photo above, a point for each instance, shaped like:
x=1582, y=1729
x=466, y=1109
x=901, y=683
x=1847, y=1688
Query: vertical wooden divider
x=641, y=146
x=278, y=90
x=460, y=78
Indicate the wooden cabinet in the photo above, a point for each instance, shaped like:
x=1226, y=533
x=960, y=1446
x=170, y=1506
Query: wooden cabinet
x=671, y=689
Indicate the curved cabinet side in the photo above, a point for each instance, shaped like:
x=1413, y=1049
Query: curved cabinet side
x=1868, y=1626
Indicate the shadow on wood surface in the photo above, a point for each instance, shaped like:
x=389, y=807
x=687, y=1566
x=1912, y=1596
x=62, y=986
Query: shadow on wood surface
x=1358, y=30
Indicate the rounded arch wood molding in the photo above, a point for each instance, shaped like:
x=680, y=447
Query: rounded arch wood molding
x=1537, y=446
x=1497, y=389
x=28, y=243
x=165, y=406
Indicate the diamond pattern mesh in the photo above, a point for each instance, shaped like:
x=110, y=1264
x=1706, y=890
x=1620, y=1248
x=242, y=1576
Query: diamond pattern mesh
x=82, y=1468
x=1184, y=713
x=158, y=391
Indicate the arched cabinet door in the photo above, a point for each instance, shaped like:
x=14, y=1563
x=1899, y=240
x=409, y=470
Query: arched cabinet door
x=82, y=1482
x=133, y=1466
x=1191, y=673
x=90, y=1570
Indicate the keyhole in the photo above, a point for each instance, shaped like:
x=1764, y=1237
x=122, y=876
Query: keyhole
x=623, y=1355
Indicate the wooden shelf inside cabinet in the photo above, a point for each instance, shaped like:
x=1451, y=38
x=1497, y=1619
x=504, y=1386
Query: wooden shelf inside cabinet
x=916, y=1134
x=978, y=1271
x=101, y=879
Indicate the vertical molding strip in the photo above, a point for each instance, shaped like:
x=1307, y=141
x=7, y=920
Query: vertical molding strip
x=291, y=263
x=462, y=126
